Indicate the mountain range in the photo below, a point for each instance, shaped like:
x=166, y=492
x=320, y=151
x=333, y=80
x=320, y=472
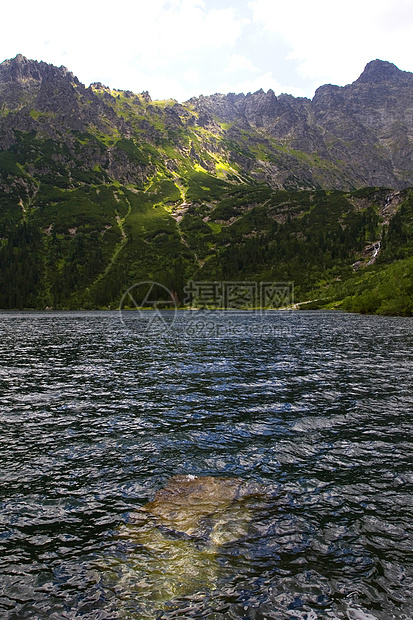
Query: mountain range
x=102, y=188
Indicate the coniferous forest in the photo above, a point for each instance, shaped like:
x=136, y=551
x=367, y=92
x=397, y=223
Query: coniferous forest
x=101, y=189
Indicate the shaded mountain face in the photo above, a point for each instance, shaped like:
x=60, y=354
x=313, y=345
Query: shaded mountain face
x=346, y=137
x=357, y=135
x=103, y=188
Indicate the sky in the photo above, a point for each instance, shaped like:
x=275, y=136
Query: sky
x=183, y=48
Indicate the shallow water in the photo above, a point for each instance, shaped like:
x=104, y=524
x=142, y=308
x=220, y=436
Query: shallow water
x=95, y=418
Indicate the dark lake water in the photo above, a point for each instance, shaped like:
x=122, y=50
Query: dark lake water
x=316, y=407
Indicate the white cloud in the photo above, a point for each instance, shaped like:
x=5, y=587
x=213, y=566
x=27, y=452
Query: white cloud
x=238, y=62
x=397, y=16
x=100, y=41
x=332, y=41
x=162, y=86
x=169, y=47
x=192, y=76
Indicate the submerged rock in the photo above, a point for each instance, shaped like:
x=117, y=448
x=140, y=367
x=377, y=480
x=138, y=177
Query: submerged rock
x=200, y=507
x=173, y=542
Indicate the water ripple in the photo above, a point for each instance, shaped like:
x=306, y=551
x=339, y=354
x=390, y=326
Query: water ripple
x=95, y=420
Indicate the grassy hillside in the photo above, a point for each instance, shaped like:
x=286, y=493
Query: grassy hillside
x=386, y=287
x=83, y=247
x=100, y=189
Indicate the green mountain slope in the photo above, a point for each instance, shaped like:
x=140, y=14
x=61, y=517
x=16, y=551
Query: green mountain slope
x=101, y=189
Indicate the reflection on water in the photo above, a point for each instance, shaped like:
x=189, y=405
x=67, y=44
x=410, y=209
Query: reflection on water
x=175, y=545
x=95, y=420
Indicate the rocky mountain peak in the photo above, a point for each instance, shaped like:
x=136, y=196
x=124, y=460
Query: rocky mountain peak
x=347, y=136
x=378, y=71
x=20, y=69
x=100, y=86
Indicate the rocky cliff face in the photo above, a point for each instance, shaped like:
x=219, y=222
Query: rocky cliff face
x=364, y=130
x=101, y=188
x=346, y=137
x=45, y=110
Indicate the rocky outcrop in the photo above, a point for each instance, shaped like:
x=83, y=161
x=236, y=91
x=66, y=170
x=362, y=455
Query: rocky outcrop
x=345, y=137
x=381, y=71
x=365, y=129
x=44, y=102
x=23, y=71
x=200, y=507
x=177, y=537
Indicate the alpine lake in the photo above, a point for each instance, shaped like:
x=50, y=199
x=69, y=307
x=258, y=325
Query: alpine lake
x=206, y=465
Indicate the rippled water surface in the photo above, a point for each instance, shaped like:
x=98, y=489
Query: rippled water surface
x=316, y=407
